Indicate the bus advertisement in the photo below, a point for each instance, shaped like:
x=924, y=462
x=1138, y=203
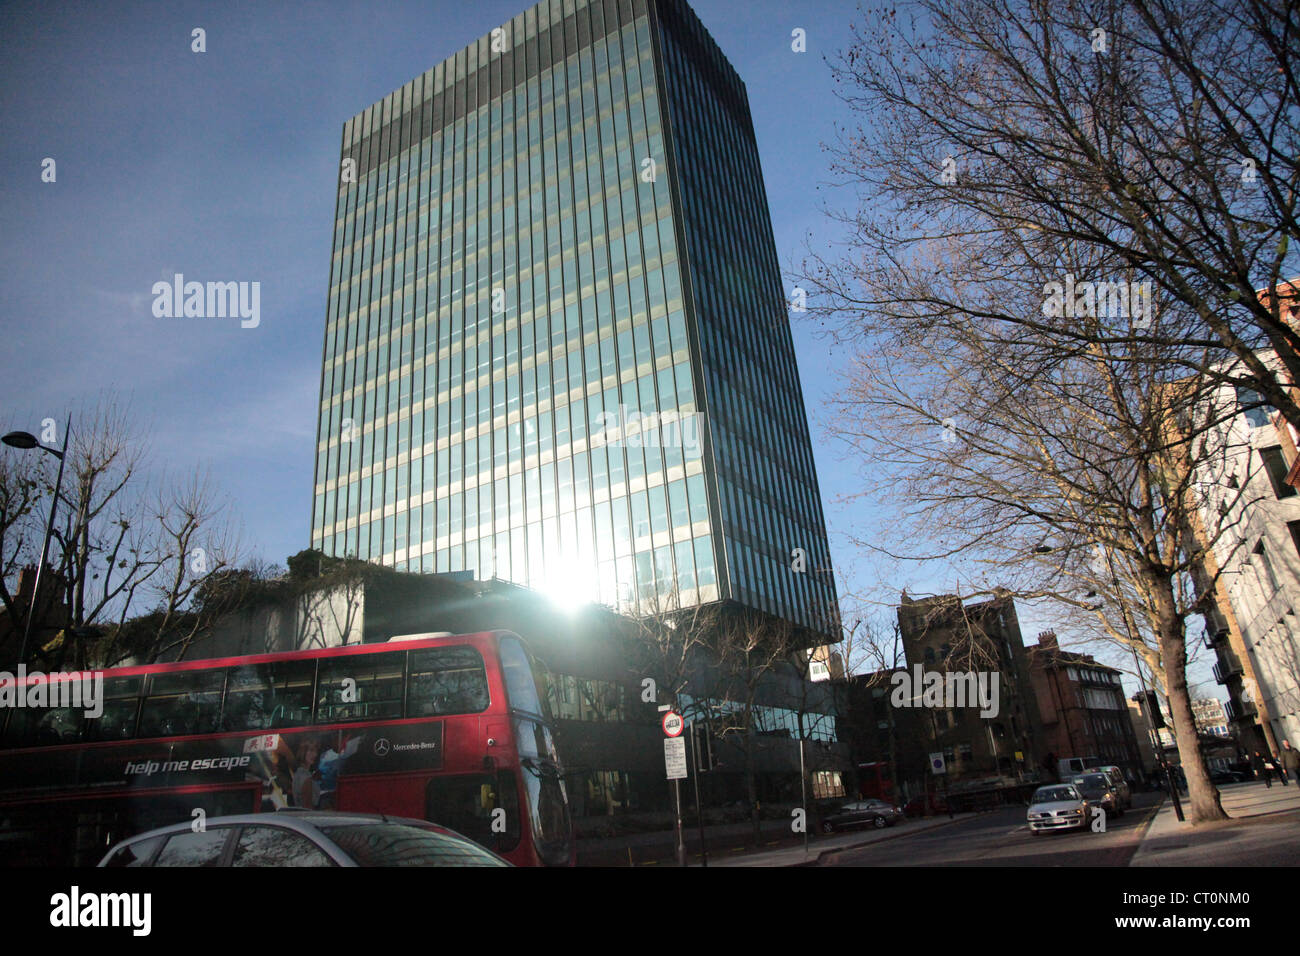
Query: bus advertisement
x=448, y=729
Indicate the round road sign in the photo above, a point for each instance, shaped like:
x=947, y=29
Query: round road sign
x=673, y=724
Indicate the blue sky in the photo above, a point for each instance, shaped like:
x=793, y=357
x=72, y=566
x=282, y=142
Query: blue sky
x=221, y=166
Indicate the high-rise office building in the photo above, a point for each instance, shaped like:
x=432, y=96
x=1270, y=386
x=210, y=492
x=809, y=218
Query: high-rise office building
x=557, y=348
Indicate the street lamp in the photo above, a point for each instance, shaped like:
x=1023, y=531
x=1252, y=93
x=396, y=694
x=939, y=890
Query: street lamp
x=26, y=441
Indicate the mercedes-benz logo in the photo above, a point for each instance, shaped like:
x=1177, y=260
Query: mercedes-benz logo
x=381, y=747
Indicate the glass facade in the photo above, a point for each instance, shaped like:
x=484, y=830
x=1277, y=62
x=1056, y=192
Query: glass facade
x=768, y=721
x=589, y=699
x=556, y=349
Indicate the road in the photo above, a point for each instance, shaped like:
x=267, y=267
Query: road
x=1002, y=838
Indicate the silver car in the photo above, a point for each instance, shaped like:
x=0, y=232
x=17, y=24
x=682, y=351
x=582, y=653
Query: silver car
x=1123, y=792
x=1100, y=790
x=1059, y=806
x=309, y=838
x=870, y=812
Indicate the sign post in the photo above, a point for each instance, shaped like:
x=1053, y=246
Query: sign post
x=939, y=767
x=675, y=768
x=675, y=758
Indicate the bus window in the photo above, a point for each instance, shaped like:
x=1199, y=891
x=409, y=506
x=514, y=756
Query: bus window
x=548, y=808
x=186, y=702
x=547, y=802
x=121, y=705
x=467, y=804
x=446, y=680
x=359, y=687
x=520, y=683
x=43, y=726
x=263, y=696
x=49, y=724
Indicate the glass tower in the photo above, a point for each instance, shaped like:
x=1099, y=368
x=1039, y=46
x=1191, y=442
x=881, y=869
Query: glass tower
x=557, y=348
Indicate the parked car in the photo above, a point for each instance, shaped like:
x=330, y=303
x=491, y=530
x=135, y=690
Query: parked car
x=872, y=812
x=301, y=838
x=1123, y=792
x=1099, y=790
x=1220, y=777
x=1058, y=806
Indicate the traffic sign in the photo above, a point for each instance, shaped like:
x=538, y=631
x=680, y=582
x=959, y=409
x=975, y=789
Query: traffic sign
x=937, y=764
x=675, y=757
x=673, y=724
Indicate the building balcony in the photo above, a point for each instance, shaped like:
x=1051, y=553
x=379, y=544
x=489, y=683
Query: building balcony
x=1216, y=626
x=1242, y=710
x=1226, y=670
x=1293, y=475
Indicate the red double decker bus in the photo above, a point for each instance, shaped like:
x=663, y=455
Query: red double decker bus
x=448, y=729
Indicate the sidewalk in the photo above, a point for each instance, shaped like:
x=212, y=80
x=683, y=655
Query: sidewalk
x=820, y=846
x=729, y=844
x=1264, y=831
x=657, y=847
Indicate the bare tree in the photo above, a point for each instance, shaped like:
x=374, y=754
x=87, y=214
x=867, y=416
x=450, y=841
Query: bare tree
x=20, y=497
x=1161, y=136
x=673, y=647
x=887, y=647
x=129, y=554
x=752, y=648
x=188, y=543
x=1023, y=419
x=329, y=596
x=1057, y=450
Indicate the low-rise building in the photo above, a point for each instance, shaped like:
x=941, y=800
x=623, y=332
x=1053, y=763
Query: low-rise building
x=979, y=748
x=608, y=724
x=889, y=745
x=1083, y=708
x=1211, y=717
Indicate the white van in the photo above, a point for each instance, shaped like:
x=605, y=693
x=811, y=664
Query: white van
x=1070, y=767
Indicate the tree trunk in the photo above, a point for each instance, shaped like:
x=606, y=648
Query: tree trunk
x=1202, y=795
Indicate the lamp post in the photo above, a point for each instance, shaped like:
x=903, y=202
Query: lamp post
x=26, y=440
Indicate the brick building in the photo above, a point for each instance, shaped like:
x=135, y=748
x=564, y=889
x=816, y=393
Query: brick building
x=889, y=745
x=942, y=633
x=1083, y=707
